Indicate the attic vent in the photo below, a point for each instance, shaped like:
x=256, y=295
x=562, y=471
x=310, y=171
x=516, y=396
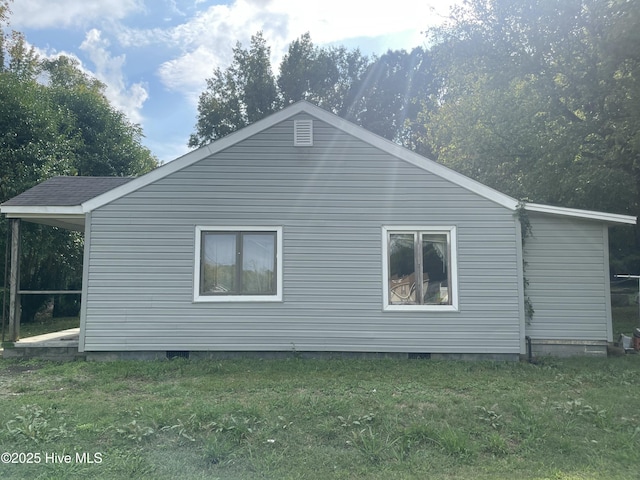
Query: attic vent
x=303, y=133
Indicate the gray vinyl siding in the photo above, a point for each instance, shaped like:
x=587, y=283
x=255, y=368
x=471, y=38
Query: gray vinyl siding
x=567, y=270
x=332, y=201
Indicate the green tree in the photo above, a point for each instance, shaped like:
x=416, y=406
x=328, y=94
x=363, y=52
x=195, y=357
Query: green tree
x=247, y=90
x=106, y=142
x=393, y=91
x=59, y=124
x=310, y=73
x=540, y=99
x=537, y=90
x=242, y=94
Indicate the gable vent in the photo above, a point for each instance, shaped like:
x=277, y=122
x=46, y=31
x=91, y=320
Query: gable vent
x=303, y=133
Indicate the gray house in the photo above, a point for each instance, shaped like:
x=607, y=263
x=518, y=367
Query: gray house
x=305, y=232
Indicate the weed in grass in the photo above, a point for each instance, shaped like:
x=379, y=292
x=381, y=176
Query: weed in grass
x=138, y=429
x=219, y=449
x=496, y=445
x=454, y=442
x=578, y=409
x=135, y=431
x=34, y=425
x=375, y=447
x=127, y=464
x=528, y=425
x=357, y=421
x=67, y=470
x=490, y=417
x=183, y=429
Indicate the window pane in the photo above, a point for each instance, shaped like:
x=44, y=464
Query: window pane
x=258, y=263
x=219, y=263
x=402, y=273
x=435, y=268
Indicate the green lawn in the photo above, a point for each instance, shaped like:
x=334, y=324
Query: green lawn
x=625, y=320
x=318, y=419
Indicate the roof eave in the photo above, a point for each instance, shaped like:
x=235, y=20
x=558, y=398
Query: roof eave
x=22, y=211
x=612, y=218
x=69, y=218
x=196, y=155
x=322, y=115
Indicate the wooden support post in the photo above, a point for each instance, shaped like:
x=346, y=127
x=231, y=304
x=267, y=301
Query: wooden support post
x=14, y=282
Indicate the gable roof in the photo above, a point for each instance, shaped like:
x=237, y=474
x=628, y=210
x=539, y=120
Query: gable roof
x=107, y=196
x=307, y=108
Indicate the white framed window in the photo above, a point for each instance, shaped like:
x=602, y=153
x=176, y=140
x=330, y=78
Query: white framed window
x=238, y=264
x=420, y=268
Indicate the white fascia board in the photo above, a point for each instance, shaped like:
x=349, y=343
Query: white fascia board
x=583, y=214
x=23, y=211
x=194, y=156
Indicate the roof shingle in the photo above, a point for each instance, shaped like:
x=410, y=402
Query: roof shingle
x=66, y=191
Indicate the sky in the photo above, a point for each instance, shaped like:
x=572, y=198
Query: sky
x=154, y=56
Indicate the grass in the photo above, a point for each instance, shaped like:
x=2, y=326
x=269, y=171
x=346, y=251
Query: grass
x=625, y=320
x=572, y=419
x=318, y=419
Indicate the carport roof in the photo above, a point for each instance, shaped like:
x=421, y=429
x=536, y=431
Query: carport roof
x=58, y=200
x=66, y=191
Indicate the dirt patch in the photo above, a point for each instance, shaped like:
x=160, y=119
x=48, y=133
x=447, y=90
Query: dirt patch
x=19, y=369
x=11, y=375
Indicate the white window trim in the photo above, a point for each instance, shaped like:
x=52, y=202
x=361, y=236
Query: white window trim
x=453, y=239
x=236, y=298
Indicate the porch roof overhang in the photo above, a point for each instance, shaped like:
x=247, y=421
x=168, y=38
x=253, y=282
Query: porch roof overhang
x=60, y=201
x=607, y=218
x=69, y=218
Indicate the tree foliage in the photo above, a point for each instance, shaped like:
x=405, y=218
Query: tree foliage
x=392, y=92
x=237, y=96
x=248, y=90
x=56, y=120
x=384, y=94
x=540, y=99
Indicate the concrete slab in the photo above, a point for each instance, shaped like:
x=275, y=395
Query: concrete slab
x=63, y=338
x=57, y=346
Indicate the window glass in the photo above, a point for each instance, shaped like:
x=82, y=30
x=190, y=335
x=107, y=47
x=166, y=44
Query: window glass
x=402, y=271
x=419, y=268
x=435, y=269
x=218, y=263
x=258, y=263
x=238, y=263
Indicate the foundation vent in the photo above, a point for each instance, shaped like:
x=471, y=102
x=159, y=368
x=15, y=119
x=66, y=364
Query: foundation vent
x=171, y=354
x=303, y=133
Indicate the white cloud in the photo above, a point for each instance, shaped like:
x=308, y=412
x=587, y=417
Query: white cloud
x=206, y=42
x=64, y=13
x=109, y=70
x=206, y=39
x=332, y=21
x=188, y=72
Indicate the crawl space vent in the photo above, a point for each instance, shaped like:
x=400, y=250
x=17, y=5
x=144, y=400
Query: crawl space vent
x=303, y=133
x=171, y=354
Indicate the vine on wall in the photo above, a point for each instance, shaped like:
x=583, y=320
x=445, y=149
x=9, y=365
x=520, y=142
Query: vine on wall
x=526, y=231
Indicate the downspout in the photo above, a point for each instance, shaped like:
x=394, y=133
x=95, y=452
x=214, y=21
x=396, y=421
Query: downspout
x=529, y=352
